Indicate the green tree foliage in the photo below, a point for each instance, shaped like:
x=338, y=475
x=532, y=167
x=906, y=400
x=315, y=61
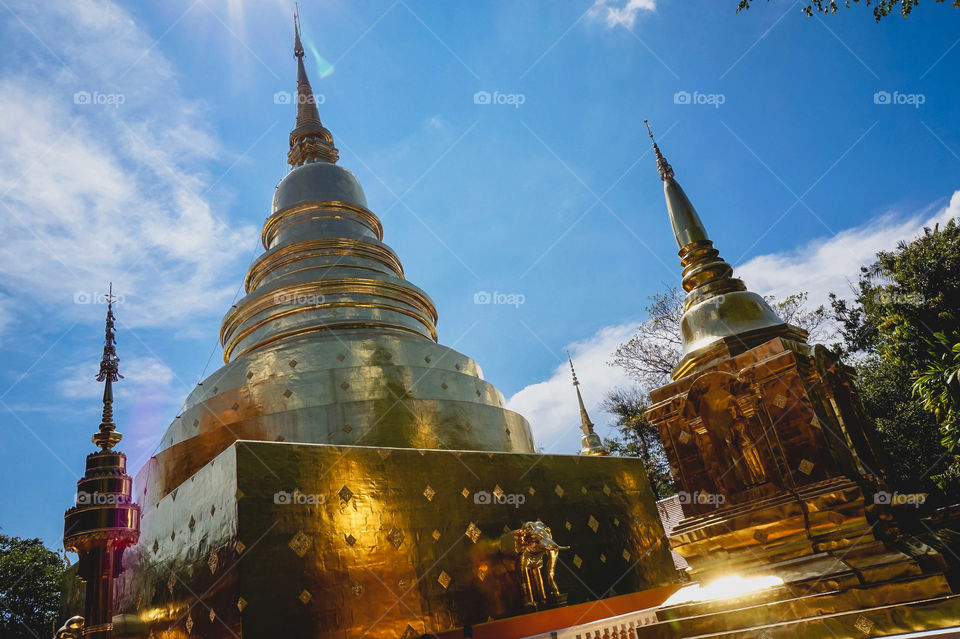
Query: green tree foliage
x=30, y=578
x=655, y=349
x=881, y=8
x=902, y=301
x=637, y=437
x=908, y=435
x=939, y=386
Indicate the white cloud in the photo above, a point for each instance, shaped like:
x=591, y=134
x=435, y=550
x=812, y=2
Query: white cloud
x=819, y=267
x=96, y=192
x=146, y=379
x=615, y=12
x=551, y=405
x=830, y=264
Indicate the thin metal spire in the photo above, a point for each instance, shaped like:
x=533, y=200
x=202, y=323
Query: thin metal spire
x=297, y=46
x=590, y=442
x=310, y=141
x=576, y=382
x=585, y=424
x=663, y=167
x=107, y=437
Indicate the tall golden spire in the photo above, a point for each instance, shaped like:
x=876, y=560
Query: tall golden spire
x=107, y=436
x=590, y=443
x=687, y=227
x=310, y=141
x=718, y=307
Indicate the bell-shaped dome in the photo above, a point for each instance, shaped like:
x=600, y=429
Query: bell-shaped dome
x=318, y=182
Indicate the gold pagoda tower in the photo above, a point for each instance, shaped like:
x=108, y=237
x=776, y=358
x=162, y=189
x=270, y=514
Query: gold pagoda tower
x=774, y=462
x=105, y=522
x=346, y=475
x=590, y=443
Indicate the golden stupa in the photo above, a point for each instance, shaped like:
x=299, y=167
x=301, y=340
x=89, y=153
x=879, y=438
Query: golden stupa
x=345, y=475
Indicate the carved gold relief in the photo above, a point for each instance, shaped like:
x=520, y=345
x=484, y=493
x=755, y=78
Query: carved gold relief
x=300, y=544
x=444, y=579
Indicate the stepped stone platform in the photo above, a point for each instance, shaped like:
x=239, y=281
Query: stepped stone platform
x=785, y=610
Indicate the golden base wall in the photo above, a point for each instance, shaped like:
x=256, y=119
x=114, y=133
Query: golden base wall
x=304, y=540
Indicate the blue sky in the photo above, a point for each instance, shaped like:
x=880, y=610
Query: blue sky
x=161, y=181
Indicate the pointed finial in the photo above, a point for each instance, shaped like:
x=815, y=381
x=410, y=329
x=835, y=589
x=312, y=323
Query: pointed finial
x=107, y=437
x=310, y=141
x=576, y=382
x=297, y=46
x=590, y=443
x=663, y=167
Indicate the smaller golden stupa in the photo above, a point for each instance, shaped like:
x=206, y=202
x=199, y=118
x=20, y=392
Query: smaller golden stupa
x=787, y=529
x=590, y=443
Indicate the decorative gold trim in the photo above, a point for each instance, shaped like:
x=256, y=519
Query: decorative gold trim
x=302, y=309
x=365, y=216
x=347, y=285
x=355, y=286
x=302, y=219
x=80, y=540
x=320, y=267
x=312, y=147
x=328, y=327
x=310, y=249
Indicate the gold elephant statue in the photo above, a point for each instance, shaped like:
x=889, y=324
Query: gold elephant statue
x=537, y=551
x=71, y=629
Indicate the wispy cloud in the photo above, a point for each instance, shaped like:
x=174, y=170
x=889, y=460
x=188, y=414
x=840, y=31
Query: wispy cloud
x=104, y=173
x=618, y=12
x=831, y=264
x=551, y=405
